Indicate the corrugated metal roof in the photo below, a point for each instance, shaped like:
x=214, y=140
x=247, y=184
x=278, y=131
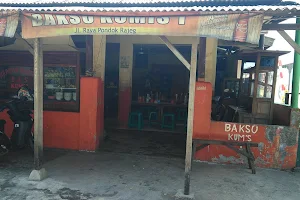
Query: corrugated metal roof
x=161, y=9
x=69, y=2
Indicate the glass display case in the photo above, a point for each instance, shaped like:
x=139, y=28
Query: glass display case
x=61, y=79
x=266, y=77
x=60, y=86
x=60, y=83
x=258, y=81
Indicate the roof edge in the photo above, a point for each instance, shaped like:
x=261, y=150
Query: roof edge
x=158, y=3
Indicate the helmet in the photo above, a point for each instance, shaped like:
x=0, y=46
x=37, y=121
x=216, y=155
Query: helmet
x=25, y=92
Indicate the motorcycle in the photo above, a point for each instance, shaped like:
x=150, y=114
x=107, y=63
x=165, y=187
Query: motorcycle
x=220, y=106
x=218, y=109
x=22, y=135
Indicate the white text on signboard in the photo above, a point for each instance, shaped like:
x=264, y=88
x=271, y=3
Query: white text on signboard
x=240, y=132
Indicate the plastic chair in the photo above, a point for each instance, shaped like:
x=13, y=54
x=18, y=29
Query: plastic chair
x=135, y=120
x=153, y=117
x=168, y=121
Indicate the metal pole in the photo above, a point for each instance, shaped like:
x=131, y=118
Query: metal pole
x=296, y=72
x=189, y=137
x=38, y=103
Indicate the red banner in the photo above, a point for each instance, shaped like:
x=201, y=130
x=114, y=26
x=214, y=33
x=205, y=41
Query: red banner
x=8, y=23
x=233, y=27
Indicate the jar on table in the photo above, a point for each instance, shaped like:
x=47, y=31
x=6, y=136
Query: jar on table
x=59, y=96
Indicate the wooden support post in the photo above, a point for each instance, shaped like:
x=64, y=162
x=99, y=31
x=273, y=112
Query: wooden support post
x=261, y=44
x=38, y=103
x=38, y=173
x=125, y=81
x=189, y=137
x=175, y=51
x=202, y=58
x=98, y=55
x=290, y=41
x=89, y=55
x=25, y=43
x=211, y=61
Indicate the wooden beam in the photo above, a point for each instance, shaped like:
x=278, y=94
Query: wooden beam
x=290, y=41
x=38, y=103
x=276, y=27
x=190, y=122
x=175, y=51
x=25, y=43
x=99, y=51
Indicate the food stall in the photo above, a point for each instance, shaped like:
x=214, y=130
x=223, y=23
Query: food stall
x=71, y=110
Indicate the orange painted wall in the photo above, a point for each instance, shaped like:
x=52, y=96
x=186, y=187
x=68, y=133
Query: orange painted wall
x=277, y=147
x=9, y=125
x=91, y=113
x=277, y=144
x=61, y=129
x=203, y=95
x=71, y=130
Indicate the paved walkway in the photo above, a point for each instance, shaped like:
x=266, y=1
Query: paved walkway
x=122, y=176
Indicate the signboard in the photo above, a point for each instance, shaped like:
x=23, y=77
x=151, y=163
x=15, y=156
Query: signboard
x=233, y=27
x=8, y=23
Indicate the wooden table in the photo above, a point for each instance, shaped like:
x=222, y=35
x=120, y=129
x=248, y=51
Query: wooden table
x=160, y=106
x=237, y=111
x=199, y=144
x=246, y=117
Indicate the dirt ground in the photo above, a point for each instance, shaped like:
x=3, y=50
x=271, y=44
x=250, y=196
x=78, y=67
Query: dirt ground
x=137, y=173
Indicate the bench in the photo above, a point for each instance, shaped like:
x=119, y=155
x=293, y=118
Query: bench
x=199, y=144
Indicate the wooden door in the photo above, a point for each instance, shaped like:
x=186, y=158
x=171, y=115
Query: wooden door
x=266, y=69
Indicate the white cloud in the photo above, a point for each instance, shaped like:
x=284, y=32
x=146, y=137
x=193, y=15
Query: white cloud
x=298, y=1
